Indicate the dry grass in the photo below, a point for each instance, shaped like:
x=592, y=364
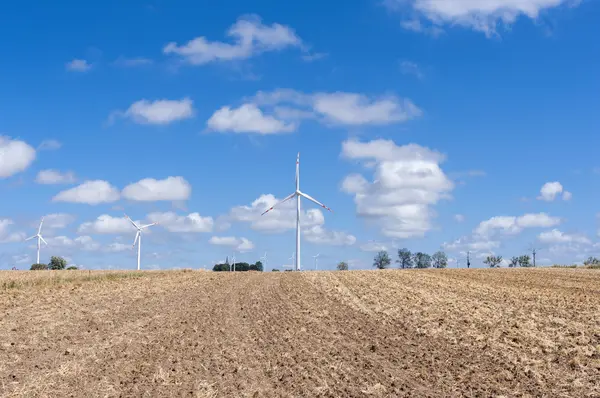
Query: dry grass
x=508, y=332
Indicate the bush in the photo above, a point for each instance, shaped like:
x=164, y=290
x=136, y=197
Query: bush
x=57, y=263
x=342, y=266
x=38, y=267
x=72, y=268
x=274, y=270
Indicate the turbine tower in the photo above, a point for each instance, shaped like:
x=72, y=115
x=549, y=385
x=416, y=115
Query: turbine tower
x=316, y=260
x=297, y=194
x=40, y=239
x=265, y=262
x=138, y=237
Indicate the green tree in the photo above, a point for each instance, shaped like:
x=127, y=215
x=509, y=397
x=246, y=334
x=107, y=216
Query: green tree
x=57, y=263
x=591, y=261
x=342, y=266
x=72, y=268
x=439, y=259
x=525, y=261
x=274, y=270
x=422, y=260
x=38, y=267
x=493, y=261
x=405, y=258
x=382, y=260
x=514, y=261
x=257, y=266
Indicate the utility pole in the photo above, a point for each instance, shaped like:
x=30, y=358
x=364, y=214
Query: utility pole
x=468, y=260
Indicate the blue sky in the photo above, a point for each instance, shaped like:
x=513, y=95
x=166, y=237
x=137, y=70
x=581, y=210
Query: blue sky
x=424, y=124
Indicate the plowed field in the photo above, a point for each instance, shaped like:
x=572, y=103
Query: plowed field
x=433, y=333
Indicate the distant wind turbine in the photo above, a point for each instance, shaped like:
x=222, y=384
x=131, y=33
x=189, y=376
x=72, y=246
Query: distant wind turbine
x=138, y=237
x=316, y=260
x=233, y=261
x=40, y=239
x=297, y=194
x=265, y=260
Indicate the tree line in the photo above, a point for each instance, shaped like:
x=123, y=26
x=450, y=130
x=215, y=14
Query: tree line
x=56, y=263
x=406, y=260
x=238, y=267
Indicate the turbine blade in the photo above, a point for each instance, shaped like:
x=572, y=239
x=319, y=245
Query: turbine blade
x=40, y=228
x=137, y=235
x=46, y=243
x=148, y=225
x=315, y=201
x=278, y=203
x=297, y=168
x=131, y=221
x=31, y=237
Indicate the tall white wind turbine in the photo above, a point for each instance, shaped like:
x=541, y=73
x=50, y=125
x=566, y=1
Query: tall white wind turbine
x=316, y=260
x=40, y=239
x=265, y=261
x=138, y=237
x=297, y=194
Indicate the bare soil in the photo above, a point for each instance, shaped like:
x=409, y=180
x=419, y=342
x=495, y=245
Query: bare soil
x=432, y=333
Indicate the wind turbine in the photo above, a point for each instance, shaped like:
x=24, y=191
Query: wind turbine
x=264, y=258
x=40, y=239
x=233, y=261
x=316, y=260
x=297, y=194
x=138, y=237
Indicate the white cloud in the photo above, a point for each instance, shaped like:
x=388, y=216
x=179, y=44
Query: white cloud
x=407, y=182
x=248, y=118
x=58, y=220
x=319, y=235
x=459, y=217
x=90, y=192
x=476, y=244
x=50, y=176
x=78, y=65
x=373, y=247
x=556, y=236
x=237, y=244
x=480, y=15
x=550, y=190
x=280, y=219
x=191, y=223
x=282, y=111
x=85, y=243
x=22, y=259
x=15, y=156
x=6, y=235
x=250, y=38
x=118, y=247
x=132, y=62
x=159, y=112
x=106, y=224
x=411, y=68
x=49, y=145
x=150, y=189
x=513, y=225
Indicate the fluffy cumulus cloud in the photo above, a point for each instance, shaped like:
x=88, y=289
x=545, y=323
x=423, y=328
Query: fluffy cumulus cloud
x=407, y=182
x=321, y=236
x=374, y=247
x=86, y=243
x=511, y=225
x=248, y=118
x=90, y=192
x=481, y=15
x=150, y=189
x=555, y=236
x=281, y=218
x=15, y=156
x=78, y=65
x=50, y=176
x=158, y=112
x=7, y=235
x=551, y=190
x=58, y=220
x=191, y=223
x=250, y=37
x=106, y=224
x=237, y=244
x=281, y=111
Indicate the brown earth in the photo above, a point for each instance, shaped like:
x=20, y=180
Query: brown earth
x=433, y=333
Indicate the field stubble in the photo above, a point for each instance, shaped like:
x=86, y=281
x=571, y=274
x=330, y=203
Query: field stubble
x=314, y=334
